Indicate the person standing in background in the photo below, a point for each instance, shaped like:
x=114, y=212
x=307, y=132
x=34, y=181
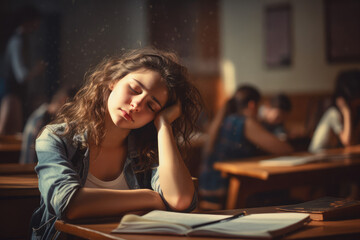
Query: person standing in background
x=18, y=71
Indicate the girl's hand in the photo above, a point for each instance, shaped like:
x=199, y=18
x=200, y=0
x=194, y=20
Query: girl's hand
x=168, y=115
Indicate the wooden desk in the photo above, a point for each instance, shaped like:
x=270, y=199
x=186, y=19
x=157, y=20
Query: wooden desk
x=19, y=196
x=10, y=148
x=247, y=177
x=346, y=229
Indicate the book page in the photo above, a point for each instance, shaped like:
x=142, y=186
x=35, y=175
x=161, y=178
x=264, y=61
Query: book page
x=299, y=160
x=183, y=218
x=289, y=160
x=264, y=225
x=158, y=221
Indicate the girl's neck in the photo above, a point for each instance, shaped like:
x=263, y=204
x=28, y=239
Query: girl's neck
x=113, y=141
x=249, y=113
x=114, y=136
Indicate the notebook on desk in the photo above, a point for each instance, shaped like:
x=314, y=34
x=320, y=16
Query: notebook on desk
x=262, y=225
x=327, y=208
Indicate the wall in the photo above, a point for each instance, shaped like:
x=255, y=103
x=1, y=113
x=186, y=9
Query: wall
x=93, y=29
x=243, y=46
x=75, y=35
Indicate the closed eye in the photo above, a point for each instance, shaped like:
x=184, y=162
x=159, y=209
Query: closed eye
x=142, y=87
x=151, y=107
x=133, y=90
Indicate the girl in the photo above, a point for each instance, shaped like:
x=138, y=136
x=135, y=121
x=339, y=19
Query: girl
x=234, y=133
x=331, y=131
x=113, y=149
x=337, y=126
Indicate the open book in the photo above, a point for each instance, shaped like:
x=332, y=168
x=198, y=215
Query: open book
x=263, y=225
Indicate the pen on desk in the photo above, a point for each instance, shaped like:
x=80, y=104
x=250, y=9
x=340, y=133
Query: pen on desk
x=220, y=220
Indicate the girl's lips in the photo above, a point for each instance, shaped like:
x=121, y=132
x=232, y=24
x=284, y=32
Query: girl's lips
x=127, y=116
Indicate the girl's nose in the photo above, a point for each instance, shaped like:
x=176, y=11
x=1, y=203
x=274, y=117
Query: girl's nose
x=135, y=105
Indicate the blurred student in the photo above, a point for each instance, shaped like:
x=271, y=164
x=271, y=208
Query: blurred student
x=38, y=119
x=335, y=127
x=235, y=133
x=273, y=115
x=19, y=70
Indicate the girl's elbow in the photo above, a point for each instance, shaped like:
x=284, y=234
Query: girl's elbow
x=73, y=210
x=346, y=143
x=345, y=138
x=72, y=214
x=180, y=203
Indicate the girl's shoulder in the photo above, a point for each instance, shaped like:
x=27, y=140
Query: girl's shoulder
x=57, y=128
x=60, y=129
x=332, y=112
x=235, y=119
x=233, y=124
x=52, y=131
x=55, y=133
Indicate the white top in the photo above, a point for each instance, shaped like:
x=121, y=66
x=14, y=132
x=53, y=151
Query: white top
x=119, y=183
x=330, y=121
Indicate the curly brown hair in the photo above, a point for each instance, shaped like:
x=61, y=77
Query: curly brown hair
x=86, y=112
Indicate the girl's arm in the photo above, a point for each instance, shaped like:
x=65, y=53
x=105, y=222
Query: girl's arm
x=61, y=190
x=175, y=179
x=259, y=136
x=345, y=134
x=95, y=202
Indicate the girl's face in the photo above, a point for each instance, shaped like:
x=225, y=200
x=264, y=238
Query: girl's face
x=275, y=116
x=136, y=99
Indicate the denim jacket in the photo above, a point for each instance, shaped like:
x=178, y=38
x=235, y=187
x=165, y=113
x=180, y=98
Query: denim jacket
x=62, y=169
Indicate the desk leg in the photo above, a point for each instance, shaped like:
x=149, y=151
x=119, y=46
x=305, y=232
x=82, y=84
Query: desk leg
x=233, y=193
x=237, y=194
